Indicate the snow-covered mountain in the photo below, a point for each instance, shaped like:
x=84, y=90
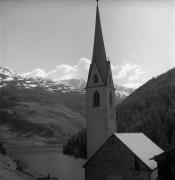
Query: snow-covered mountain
x=25, y=81
x=8, y=76
x=41, y=109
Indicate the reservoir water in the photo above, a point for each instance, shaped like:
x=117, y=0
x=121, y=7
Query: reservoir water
x=49, y=160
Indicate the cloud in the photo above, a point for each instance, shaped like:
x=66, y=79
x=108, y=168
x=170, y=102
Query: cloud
x=132, y=85
x=126, y=68
x=63, y=71
x=78, y=71
x=36, y=73
x=128, y=74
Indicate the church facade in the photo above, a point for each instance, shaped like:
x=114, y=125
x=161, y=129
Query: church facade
x=124, y=156
x=111, y=155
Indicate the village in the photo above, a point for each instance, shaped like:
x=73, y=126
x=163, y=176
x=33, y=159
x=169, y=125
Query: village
x=111, y=154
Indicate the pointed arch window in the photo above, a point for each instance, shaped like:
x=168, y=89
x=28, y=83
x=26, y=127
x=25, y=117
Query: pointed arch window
x=96, y=99
x=95, y=78
x=110, y=99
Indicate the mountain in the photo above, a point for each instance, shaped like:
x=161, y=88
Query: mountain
x=149, y=109
x=7, y=74
x=38, y=110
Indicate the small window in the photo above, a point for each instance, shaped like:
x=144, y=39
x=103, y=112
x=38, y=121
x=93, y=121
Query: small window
x=95, y=78
x=96, y=99
x=110, y=99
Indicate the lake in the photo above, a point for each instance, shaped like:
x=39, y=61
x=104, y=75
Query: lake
x=49, y=160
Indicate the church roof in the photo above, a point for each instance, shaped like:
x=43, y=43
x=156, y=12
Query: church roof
x=99, y=54
x=141, y=146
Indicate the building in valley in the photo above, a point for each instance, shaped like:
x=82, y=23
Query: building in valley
x=112, y=156
x=124, y=156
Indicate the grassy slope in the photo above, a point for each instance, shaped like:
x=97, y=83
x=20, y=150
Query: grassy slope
x=63, y=114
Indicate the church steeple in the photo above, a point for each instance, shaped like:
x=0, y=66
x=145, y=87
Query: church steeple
x=100, y=95
x=99, y=54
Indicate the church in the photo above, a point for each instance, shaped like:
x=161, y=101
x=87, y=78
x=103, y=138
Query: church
x=112, y=155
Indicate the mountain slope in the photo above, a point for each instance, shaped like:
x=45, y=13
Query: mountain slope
x=151, y=109
x=9, y=169
x=52, y=111
x=43, y=108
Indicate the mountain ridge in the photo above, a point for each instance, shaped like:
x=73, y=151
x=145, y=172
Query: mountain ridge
x=58, y=108
x=7, y=75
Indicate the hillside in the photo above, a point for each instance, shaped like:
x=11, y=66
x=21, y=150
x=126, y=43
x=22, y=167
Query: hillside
x=40, y=110
x=9, y=169
x=149, y=109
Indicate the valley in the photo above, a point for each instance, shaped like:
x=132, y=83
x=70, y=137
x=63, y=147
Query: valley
x=42, y=111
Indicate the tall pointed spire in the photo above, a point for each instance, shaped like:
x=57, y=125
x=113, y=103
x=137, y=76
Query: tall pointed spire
x=99, y=54
x=100, y=95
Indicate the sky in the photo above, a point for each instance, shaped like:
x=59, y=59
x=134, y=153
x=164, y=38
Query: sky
x=54, y=38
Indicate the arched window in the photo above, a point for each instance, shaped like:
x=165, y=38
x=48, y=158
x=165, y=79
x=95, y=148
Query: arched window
x=110, y=99
x=95, y=78
x=96, y=99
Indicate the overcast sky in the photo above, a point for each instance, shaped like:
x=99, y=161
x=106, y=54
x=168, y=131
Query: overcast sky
x=54, y=38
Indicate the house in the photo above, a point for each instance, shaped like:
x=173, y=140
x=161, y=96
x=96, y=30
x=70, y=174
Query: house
x=166, y=165
x=124, y=156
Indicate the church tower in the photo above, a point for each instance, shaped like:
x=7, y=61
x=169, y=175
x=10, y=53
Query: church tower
x=100, y=94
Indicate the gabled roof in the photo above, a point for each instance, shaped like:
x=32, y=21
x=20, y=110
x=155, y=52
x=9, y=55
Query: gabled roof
x=104, y=80
x=140, y=145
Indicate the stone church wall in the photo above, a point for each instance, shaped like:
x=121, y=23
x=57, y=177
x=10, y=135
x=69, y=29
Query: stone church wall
x=114, y=158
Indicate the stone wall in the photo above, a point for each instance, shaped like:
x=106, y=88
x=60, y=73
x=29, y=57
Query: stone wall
x=114, y=158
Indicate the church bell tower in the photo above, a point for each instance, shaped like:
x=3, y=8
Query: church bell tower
x=100, y=95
